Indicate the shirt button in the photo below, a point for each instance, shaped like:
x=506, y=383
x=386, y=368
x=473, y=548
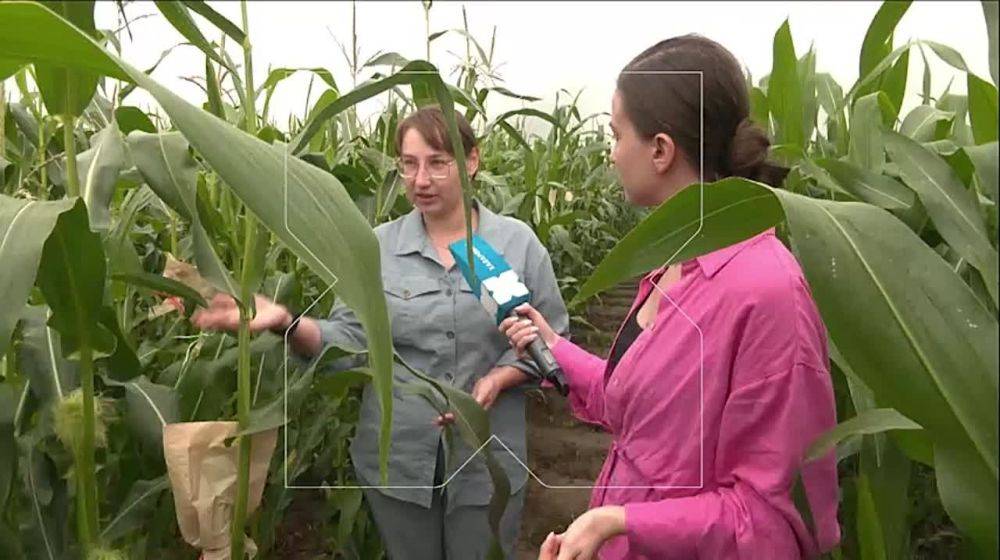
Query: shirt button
x=449, y=375
x=450, y=334
x=447, y=292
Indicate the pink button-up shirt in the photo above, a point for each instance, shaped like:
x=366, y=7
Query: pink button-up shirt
x=712, y=409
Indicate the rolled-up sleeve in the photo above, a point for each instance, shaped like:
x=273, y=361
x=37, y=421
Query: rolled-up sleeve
x=343, y=330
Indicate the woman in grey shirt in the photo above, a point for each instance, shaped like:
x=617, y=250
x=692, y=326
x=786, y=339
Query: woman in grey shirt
x=429, y=510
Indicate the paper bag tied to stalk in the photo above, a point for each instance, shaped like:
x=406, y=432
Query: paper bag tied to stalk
x=188, y=275
x=202, y=472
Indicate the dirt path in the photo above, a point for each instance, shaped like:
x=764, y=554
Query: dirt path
x=563, y=451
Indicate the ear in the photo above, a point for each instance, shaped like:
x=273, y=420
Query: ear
x=664, y=152
x=472, y=162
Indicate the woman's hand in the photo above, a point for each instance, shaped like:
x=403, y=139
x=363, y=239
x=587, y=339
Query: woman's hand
x=222, y=314
x=488, y=388
x=585, y=535
x=550, y=548
x=521, y=331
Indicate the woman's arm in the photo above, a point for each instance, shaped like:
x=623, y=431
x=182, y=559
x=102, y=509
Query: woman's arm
x=308, y=339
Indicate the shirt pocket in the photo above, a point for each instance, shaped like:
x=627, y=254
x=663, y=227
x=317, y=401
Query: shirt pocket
x=413, y=302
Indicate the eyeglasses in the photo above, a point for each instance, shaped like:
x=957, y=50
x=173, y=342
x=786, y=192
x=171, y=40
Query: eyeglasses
x=437, y=168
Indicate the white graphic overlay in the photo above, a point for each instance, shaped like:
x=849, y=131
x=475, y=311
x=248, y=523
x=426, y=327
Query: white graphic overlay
x=501, y=287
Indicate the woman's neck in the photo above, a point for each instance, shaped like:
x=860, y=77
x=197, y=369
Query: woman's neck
x=450, y=225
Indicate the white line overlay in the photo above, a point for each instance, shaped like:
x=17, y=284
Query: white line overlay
x=494, y=437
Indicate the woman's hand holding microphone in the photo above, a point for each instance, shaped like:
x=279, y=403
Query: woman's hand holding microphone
x=531, y=325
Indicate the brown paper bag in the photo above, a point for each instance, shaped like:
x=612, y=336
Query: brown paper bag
x=203, y=477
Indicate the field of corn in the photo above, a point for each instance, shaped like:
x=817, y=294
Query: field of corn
x=892, y=215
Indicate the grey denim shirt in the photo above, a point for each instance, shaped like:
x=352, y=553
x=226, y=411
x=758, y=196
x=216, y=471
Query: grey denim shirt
x=441, y=329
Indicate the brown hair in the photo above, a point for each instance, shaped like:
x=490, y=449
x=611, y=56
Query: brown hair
x=657, y=100
x=429, y=122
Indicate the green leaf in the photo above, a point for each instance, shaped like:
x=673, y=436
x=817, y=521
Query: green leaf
x=930, y=353
x=874, y=188
x=982, y=109
x=24, y=227
x=168, y=169
x=784, y=91
x=889, y=476
x=733, y=210
x=98, y=170
x=953, y=209
x=34, y=33
x=50, y=375
x=135, y=509
x=894, y=85
x=71, y=276
x=122, y=364
x=961, y=133
x=866, y=148
x=872, y=421
x=984, y=159
x=149, y=407
x=177, y=14
x=9, y=397
x=160, y=284
x=878, y=39
x=949, y=55
x=133, y=118
x=215, y=18
x=992, y=38
x=921, y=124
x=67, y=90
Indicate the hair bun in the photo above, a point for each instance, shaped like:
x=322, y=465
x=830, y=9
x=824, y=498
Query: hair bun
x=748, y=155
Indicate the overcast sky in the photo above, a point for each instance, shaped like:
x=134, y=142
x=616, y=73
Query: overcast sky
x=543, y=47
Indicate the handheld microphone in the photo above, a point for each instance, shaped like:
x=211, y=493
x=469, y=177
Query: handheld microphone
x=499, y=290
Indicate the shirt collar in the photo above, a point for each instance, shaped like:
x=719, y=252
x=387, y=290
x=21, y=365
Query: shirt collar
x=711, y=263
x=413, y=235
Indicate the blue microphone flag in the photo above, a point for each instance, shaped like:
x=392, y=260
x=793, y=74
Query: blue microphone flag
x=494, y=282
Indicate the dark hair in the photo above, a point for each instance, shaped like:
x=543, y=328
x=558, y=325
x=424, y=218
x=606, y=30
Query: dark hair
x=659, y=96
x=429, y=122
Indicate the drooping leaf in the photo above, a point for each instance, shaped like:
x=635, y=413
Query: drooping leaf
x=168, y=169
x=204, y=10
x=921, y=124
x=150, y=407
x=177, y=14
x=953, y=209
x=930, y=353
x=24, y=227
x=67, y=90
x=51, y=376
x=982, y=109
x=133, y=118
x=161, y=284
x=134, y=510
x=874, y=188
x=871, y=421
x=984, y=158
x=71, y=276
x=98, y=170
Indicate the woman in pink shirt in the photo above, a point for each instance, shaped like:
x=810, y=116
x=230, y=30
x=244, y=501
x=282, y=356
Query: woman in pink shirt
x=718, y=380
